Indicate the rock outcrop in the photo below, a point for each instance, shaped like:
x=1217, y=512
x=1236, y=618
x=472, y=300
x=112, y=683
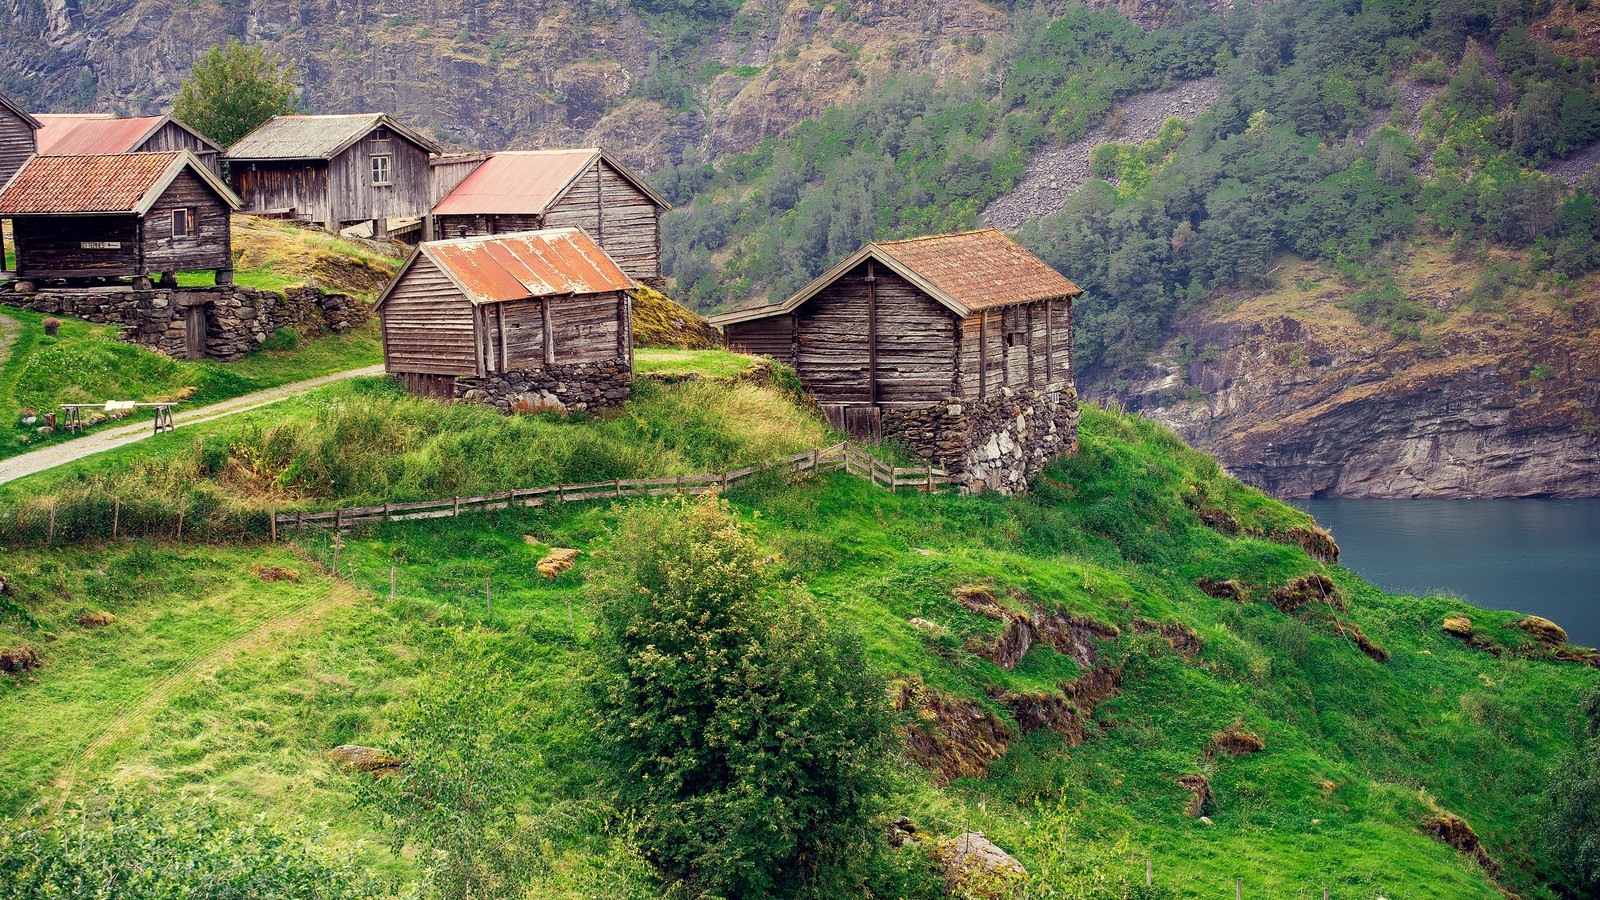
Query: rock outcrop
x=974, y=867
x=1295, y=396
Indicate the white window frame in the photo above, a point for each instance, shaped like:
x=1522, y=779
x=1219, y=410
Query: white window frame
x=387, y=167
x=188, y=223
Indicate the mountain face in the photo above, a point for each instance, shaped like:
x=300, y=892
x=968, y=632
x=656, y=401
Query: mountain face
x=508, y=74
x=1294, y=395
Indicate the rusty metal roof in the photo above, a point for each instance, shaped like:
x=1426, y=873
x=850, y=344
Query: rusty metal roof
x=126, y=183
x=529, y=182
x=92, y=134
x=501, y=268
x=8, y=103
x=317, y=137
x=966, y=272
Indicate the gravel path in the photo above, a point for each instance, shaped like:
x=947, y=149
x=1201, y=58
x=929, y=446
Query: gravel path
x=101, y=441
x=1056, y=172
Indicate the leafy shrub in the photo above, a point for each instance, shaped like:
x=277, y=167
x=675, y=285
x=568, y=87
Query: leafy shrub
x=747, y=736
x=1572, y=829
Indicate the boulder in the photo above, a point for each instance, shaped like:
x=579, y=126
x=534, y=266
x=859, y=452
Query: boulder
x=1542, y=630
x=16, y=660
x=364, y=759
x=1221, y=588
x=975, y=867
x=1457, y=625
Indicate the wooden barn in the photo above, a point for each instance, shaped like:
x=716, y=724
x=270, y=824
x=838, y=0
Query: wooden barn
x=941, y=343
x=334, y=171
x=537, y=320
x=98, y=134
x=129, y=214
x=588, y=189
x=18, y=138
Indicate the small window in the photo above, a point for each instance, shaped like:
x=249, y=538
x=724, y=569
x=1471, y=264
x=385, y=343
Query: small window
x=382, y=134
x=380, y=170
x=182, y=223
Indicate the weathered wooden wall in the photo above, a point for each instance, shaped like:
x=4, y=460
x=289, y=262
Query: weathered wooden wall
x=16, y=144
x=52, y=246
x=210, y=242
x=447, y=228
x=354, y=198
x=622, y=219
x=1028, y=345
x=300, y=186
x=772, y=336
x=447, y=172
x=587, y=328
x=171, y=137
x=428, y=326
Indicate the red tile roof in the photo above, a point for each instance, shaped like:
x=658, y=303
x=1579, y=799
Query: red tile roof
x=980, y=269
x=119, y=183
x=550, y=263
x=528, y=182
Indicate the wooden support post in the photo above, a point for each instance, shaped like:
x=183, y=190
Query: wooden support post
x=457, y=509
x=930, y=479
x=872, y=335
x=183, y=506
x=273, y=520
x=386, y=510
x=983, y=354
x=116, y=515
x=391, y=583
x=1238, y=888
x=1148, y=873
x=561, y=493
x=338, y=521
x=488, y=597
x=724, y=482
x=1049, y=342
x=549, y=335
x=680, y=485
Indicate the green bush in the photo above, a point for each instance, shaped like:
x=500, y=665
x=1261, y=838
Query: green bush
x=1572, y=830
x=748, y=736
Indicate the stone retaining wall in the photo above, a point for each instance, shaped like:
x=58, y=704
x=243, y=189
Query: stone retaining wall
x=237, y=318
x=994, y=444
x=586, y=387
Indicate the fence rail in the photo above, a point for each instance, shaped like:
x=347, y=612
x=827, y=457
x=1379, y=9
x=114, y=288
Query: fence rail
x=842, y=456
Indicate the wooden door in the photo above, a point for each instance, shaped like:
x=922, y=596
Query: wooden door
x=862, y=423
x=195, y=332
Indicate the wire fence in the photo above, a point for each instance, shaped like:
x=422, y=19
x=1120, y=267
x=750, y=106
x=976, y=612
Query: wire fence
x=100, y=514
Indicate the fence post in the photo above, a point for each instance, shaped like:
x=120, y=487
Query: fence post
x=930, y=486
x=488, y=597
x=391, y=584
x=561, y=493
x=1324, y=894
x=680, y=485
x=51, y=537
x=1148, y=874
x=183, y=506
x=116, y=515
x=338, y=522
x=273, y=509
x=336, y=543
x=386, y=510
x=457, y=513
x=619, y=488
x=1238, y=888
x=724, y=482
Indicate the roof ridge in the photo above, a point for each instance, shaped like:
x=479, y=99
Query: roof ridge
x=948, y=234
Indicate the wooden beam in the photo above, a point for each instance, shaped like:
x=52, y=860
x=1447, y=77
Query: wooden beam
x=1031, y=354
x=1049, y=342
x=983, y=354
x=599, y=204
x=872, y=335
x=500, y=322
x=549, y=332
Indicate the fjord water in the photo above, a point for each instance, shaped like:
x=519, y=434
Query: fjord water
x=1535, y=556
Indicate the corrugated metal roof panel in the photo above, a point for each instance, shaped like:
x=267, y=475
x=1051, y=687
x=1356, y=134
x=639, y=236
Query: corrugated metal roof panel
x=550, y=263
x=980, y=269
x=314, y=137
x=85, y=184
x=516, y=183
x=93, y=134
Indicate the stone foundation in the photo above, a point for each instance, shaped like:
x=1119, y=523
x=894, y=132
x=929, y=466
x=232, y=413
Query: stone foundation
x=996, y=443
x=584, y=387
x=238, y=319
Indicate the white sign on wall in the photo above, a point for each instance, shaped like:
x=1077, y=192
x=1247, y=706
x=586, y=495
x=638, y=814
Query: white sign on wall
x=100, y=245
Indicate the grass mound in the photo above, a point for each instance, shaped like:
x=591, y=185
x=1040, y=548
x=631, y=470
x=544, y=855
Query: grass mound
x=660, y=322
x=274, y=254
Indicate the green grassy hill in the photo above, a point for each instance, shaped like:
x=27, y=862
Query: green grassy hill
x=230, y=671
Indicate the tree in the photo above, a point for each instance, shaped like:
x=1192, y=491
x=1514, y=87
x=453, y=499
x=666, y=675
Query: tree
x=1572, y=831
x=749, y=739
x=233, y=89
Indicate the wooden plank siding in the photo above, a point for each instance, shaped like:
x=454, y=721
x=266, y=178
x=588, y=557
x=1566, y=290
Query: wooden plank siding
x=622, y=219
x=172, y=136
x=428, y=326
x=52, y=246
x=209, y=244
x=453, y=227
x=300, y=186
x=773, y=336
x=833, y=346
x=17, y=143
x=352, y=197
x=1023, y=348
x=915, y=343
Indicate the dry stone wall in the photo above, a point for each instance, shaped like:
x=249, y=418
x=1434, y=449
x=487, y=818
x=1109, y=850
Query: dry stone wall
x=991, y=444
x=237, y=319
x=584, y=387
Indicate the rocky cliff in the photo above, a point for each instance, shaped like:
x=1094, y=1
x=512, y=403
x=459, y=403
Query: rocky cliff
x=507, y=73
x=1499, y=398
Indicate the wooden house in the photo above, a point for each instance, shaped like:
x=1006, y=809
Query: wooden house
x=129, y=214
x=540, y=319
x=959, y=346
x=334, y=171
x=18, y=138
x=588, y=189
x=98, y=134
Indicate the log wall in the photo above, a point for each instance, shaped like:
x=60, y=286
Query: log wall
x=210, y=241
x=52, y=246
x=1025, y=346
x=17, y=143
x=300, y=186
x=622, y=219
x=352, y=197
x=173, y=137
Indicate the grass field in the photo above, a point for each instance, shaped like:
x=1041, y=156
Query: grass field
x=213, y=680
x=86, y=363
x=706, y=363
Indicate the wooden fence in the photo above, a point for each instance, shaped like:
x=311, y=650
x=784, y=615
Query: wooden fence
x=844, y=456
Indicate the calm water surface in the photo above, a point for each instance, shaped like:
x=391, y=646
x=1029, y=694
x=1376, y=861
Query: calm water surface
x=1536, y=556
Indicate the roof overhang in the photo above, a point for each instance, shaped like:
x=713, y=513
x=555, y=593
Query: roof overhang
x=876, y=254
x=187, y=159
x=21, y=113
x=596, y=153
x=378, y=119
